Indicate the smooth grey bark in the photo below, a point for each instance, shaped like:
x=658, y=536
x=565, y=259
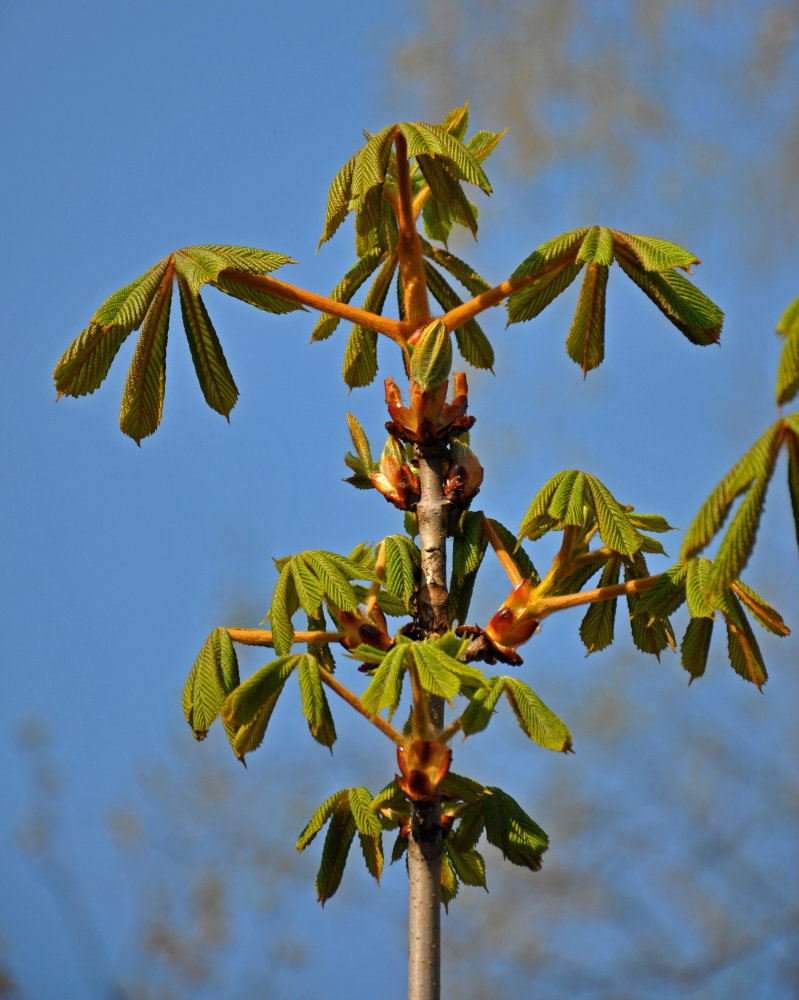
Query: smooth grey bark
x=425, y=841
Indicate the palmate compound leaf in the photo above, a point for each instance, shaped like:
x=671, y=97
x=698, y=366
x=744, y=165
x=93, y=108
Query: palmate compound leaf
x=732, y=602
x=568, y=498
x=348, y=811
x=214, y=675
x=145, y=302
x=248, y=708
x=749, y=476
x=788, y=371
x=648, y=261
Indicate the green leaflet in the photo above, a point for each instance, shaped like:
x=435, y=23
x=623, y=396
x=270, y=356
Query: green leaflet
x=651, y=633
x=468, y=548
x=449, y=881
x=744, y=652
x=473, y=344
x=792, y=444
x=127, y=308
x=585, y=343
x=597, y=626
x=508, y=827
x=435, y=141
x=695, y=646
x=338, y=839
x=143, y=395
x=468, y=865
x=248, y=708
x=212, y=370
x=788, y=371
x=402, y=562
x=459, y=269
x=307, y=585
x=534, y=298
x=368, y=177
x=363, y=268
x=750, y=475
x=385, y=689
x=769, y=618
x=482, y=144
x=360, y=355
x=651, y=253
x=338, y=200
x=200, y=265
x=334, y=572
x=535, y=719
x=360, y=358
x=366, y=819
x=320, y=817
x=436, y=220
x=477, y=714
x=447, y=192
x=435, y=671
x=666, y=595
x=285, y=603
x=559, y=249
x=457, y=122
x=615, y=528
x=84, y=364
x=432, y=356
x=681, y=302
x=214, y=675
x=314, y=702
x=597, y=247
x=360, y=443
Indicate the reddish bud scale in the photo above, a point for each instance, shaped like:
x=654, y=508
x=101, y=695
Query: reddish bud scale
x=424, y=765
x=514, y=623
x=358, y=628
x=429, y=418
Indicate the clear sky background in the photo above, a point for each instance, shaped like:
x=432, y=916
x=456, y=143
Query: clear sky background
x=134, y=129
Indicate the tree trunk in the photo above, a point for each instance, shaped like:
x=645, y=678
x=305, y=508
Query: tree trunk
x=425, y=841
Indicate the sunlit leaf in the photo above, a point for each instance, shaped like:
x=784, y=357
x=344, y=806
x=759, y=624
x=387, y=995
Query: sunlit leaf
x=214, y=675
x=597, y=626
x=314, y=702
x=585, y=343
x=209, y=360
x=536, y=720
x=478, y=713
x=143, y=395
x=508, y=827
x=338, y=839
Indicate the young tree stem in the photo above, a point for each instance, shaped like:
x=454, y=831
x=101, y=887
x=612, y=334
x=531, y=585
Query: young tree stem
x=425, y=841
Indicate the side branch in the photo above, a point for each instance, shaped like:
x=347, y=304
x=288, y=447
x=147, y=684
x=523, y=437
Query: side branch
x=392, y=328
x=547, y=605
x=485, y=300
x=263, y=637
x=355, y=702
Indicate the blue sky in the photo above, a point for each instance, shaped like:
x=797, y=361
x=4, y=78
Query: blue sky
x=134, y=129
